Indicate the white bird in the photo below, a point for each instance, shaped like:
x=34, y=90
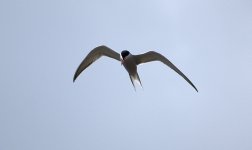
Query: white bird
x=129, y=62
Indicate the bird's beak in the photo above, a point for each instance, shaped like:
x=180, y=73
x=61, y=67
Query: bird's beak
x=121, y=61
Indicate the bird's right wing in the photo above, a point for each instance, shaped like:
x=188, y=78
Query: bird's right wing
x=95, y=54
x=154, y=56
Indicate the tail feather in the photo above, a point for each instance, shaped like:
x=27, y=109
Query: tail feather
x=135, y=78
x=132, y=81
x=138, y=79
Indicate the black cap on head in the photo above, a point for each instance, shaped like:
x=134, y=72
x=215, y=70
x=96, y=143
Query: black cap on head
x=124, y=53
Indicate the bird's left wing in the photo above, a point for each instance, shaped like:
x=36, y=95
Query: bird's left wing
x=154, y=56
x=95, y=54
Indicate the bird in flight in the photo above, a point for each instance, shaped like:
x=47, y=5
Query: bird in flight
x=129, y=62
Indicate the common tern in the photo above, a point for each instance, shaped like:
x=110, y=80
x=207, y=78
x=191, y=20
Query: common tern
x=129, y=62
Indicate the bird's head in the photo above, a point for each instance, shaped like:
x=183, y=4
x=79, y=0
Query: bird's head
x=124, y=54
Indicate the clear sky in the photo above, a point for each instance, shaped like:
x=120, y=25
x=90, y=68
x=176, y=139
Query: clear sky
x=43, y=42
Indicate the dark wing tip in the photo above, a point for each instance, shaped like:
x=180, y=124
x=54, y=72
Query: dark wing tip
x=80, y=69
x=74, y=78
x=191, y=84
x=77, y=73
x=196, y=89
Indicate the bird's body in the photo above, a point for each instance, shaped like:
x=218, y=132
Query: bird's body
x=129, y=62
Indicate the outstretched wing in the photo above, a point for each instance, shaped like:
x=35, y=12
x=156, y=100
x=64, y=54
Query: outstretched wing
x=154, y=56
x=95, y=54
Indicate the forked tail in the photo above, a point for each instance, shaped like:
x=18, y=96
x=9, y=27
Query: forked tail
x=135, y=78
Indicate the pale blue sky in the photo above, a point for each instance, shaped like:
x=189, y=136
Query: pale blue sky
x=43, y=42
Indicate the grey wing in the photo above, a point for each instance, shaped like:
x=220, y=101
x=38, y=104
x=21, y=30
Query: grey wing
x=154, y=56
x=95, y=54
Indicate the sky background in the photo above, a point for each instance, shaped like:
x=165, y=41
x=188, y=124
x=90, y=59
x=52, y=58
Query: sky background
x=43, y=42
